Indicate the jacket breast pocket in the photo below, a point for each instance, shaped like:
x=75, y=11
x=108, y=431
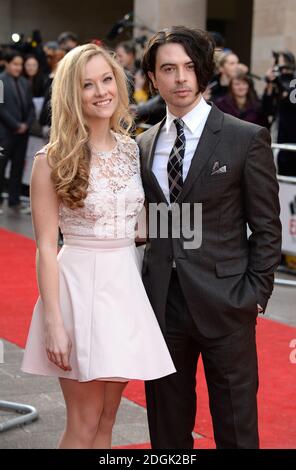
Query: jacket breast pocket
x=219, y=178
x=232, y=267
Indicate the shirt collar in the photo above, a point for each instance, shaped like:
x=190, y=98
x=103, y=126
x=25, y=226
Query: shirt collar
x=192, y=119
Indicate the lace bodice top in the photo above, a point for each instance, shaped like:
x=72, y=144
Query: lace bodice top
x=115, y=195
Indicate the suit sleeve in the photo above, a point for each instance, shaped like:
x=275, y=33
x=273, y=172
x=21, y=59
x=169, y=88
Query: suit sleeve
x=262, y=210
x=7, y=119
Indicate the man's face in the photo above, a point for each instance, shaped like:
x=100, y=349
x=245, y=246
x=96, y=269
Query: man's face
x=285, y=67
x=68, y=45
x=125, y=59
x=15, y=67
x=175, y=79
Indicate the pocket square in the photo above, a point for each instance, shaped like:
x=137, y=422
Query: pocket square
x=220, y=170
x=215, y=166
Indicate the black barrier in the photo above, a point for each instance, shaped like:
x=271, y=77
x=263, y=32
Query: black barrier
x=286, y=180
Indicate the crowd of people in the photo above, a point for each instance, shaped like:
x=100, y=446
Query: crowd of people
x=27, y=75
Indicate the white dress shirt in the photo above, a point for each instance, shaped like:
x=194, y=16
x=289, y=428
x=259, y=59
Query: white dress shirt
x=194, y=124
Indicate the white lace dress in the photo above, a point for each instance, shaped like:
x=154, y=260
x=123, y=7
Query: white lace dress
x=105, y=309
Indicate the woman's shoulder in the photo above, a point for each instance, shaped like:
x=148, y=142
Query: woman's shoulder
x=129, y=147
x=42, y=151
x=125, y=139
x=41, y=161
x=127, y=144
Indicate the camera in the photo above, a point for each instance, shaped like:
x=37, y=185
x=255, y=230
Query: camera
x=283, y=70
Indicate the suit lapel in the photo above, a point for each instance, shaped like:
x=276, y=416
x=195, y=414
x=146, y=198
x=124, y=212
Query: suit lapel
x=149, y=161
x=206, y=146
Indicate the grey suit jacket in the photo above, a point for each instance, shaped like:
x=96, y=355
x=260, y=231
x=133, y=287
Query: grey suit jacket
x=10, y=111
x=225, y=278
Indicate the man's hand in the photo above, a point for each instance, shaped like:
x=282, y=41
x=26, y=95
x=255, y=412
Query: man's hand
x=259, y=308
x=22, y=129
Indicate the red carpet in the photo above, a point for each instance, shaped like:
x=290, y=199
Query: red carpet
x=277, y=408
x=18, y=287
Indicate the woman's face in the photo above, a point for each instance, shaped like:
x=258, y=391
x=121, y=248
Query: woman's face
x=239, y=88
x=230, y=65
x=99, y=89
x=31, y=67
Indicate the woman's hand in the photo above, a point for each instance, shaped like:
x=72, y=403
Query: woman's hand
x=58, y=345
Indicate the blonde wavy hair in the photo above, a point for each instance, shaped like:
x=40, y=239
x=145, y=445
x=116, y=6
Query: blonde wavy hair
x=68, y=152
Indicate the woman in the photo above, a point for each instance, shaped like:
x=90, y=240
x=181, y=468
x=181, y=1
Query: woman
x=93, y=326
x=241, y=101
x=227, y=65
x=37, y=81
x=35, y=77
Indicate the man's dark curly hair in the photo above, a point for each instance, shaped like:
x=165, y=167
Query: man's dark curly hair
x=197, y=43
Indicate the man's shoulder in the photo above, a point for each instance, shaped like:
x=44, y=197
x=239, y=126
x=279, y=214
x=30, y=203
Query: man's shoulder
x=146, y=136
x=232, y=124
x=25, y=83
x=3, y=76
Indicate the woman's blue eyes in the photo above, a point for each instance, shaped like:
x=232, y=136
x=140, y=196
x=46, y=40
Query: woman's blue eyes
x=106, y=79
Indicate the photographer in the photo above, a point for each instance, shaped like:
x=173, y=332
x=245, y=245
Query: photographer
x=278, y=106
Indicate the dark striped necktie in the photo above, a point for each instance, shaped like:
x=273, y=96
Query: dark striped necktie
x=175, y=163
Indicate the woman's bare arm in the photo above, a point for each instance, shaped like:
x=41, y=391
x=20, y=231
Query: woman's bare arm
x=45, y=213
x=44, y=205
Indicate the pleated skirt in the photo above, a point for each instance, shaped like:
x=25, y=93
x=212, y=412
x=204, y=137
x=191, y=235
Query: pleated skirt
x=106, y=312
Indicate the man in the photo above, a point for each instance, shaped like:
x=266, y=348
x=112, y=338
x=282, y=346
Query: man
x=67, y=41
x=206, y=299
x=126, y=56
x=277, y=104
x=16, y=115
